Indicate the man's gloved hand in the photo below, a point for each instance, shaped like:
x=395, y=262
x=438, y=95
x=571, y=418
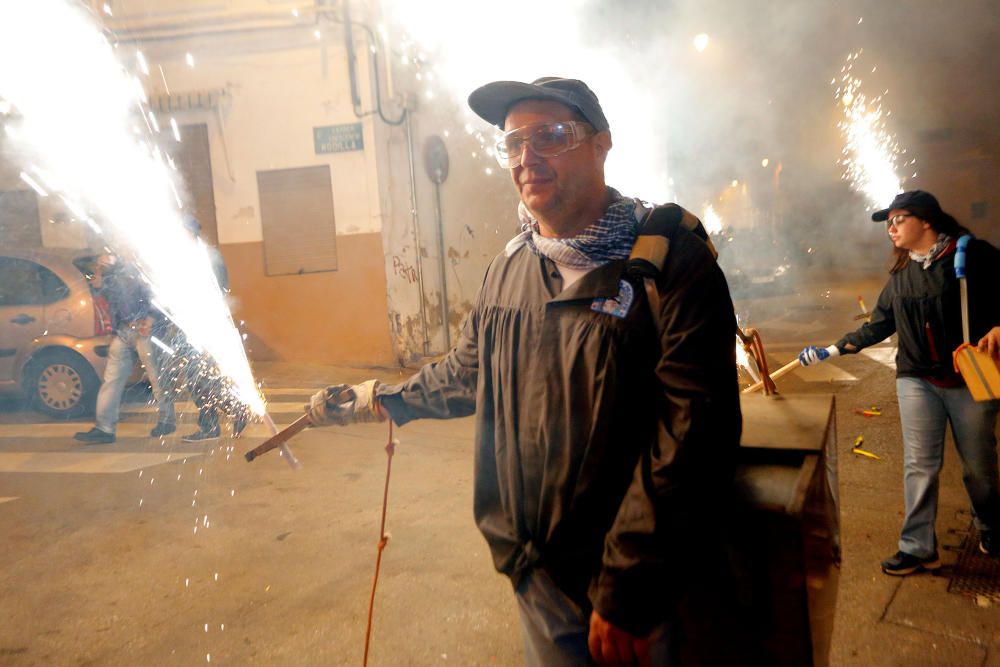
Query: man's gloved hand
x=813, y=355
x=344, y=404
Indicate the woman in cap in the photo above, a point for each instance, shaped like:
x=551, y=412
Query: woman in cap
x=921, y=304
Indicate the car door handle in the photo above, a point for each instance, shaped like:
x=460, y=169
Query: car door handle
x=22, y=319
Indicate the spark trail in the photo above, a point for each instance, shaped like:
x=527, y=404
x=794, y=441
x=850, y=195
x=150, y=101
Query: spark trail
x=871, y=154
x=78, y=123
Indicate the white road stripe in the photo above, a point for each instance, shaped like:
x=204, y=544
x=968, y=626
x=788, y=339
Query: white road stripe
x=883, y=355
x=82, y=462
x=186, y=407
x=125, y=430
x=286, y=391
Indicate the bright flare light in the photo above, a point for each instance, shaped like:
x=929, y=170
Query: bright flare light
x=743, y=360
x=870, y=152
x=52, y=51
x=711, y=220
x=701, y=42
x=460, y=55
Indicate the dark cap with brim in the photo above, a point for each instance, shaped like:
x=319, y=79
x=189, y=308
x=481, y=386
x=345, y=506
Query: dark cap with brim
x=914, y=201
x=492, y=101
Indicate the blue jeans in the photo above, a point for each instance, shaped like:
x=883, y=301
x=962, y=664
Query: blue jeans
x=124, y=344
x=924, y=411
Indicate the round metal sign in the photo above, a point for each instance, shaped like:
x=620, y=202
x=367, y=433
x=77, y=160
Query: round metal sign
x=436, y=159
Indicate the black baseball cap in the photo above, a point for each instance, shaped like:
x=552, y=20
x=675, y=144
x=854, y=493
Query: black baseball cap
x=915, y=201
x=492, y=101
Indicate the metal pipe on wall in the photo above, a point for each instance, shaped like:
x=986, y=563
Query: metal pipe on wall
x=444, y=275
x=416, y=230
x=407, y=122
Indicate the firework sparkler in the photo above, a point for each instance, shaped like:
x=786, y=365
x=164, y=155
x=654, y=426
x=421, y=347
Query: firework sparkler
x=79, y=123
x=711, y=220
x=871, y=155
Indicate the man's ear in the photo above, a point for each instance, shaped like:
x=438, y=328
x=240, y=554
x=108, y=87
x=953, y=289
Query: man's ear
x=602, y=142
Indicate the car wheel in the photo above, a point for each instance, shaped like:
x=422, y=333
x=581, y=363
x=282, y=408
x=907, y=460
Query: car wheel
x=61, y=384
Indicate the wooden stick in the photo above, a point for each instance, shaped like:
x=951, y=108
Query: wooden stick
x=279, y=439
x=784, y=370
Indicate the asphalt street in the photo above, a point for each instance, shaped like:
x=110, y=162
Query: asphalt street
x=153, y=551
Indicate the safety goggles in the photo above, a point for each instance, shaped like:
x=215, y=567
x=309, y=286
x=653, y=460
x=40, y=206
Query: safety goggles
x=544, y=139
x=897, y=220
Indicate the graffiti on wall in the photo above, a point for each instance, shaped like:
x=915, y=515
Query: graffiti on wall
x=404, y=270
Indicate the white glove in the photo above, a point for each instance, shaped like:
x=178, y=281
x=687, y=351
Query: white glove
x=813, y=355
x=342, y=404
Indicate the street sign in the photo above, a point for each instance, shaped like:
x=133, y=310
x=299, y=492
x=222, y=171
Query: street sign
x=436, y=159
x=338, y=138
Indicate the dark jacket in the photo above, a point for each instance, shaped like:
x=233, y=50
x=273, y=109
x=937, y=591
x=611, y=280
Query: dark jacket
x=127, y=294
x=598, y=447
x=923, y=307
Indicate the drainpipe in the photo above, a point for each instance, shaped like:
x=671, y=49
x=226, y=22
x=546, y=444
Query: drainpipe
x=416, y=230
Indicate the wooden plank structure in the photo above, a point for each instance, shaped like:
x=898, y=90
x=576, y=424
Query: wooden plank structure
x=791, y=536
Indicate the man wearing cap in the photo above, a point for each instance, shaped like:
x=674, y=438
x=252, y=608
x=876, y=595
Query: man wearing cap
x=606, y=427
x=921, y=304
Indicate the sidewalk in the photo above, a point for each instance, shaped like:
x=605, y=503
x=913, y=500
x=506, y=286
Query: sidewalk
x=921, y=620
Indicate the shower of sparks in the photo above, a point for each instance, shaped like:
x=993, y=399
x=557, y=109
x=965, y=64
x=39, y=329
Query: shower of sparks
x=743, y=361
x=711, y=220
x=871, y=153
x=34, y=185
x=110, y=176
x=454, y=59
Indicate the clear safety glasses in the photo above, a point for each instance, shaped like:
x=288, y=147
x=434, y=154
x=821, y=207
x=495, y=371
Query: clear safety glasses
x=545, y=140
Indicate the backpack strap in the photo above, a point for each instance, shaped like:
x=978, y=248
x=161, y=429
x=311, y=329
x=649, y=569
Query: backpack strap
x=657, y=227
x=652, y=245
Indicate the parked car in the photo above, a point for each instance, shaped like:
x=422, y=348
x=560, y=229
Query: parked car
x=54, y=331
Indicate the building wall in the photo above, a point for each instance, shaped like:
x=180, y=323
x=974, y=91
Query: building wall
x=281, y=81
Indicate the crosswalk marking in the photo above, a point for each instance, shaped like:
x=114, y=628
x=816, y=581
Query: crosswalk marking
x=189, y=407
x=125, y=430
x=19, y=442
x=885, y=355
x=290, y=391
x=81, y=462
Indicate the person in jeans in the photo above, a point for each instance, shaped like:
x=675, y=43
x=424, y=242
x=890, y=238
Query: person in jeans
x=921, y=304
x=132, y=319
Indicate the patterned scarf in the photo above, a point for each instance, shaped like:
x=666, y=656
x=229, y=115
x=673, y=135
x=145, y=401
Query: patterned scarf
x=926, y=259
x=610, y=238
